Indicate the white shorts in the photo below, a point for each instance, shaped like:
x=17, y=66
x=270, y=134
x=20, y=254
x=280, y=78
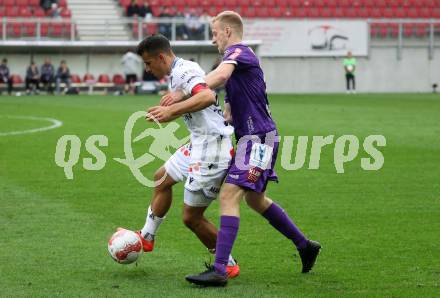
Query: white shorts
x=203, y=166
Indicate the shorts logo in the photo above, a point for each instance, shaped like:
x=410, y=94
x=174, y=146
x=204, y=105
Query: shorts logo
x=234, y=176
x=214, y=189
x=254, y=174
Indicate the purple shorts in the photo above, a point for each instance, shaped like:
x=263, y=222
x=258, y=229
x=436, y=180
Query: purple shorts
x=247, y=170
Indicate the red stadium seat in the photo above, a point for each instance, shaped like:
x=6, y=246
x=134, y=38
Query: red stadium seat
x=75, y=79
x=16, y=79
x=34, y=3
x=23, y=3
x=44, y=29
x=56, y=29
x=124, y=3
x=269, y=3
x=88, y=77
x=425, y=12
x=2, y=12
x=408, y=29
x=412, y=13
x=25, y=12
x=351, y=12
x=62, y=3
x=367, y=3
x=394, y=29
x=331, y=3
x=431, y=3
x=298, y=3
x=298, y=12
x=66, y=13
x=104, y=78
x=261, y=12
x=282, y=3
x=248, y=11
x=275, y=12
x=15, y=29
x=422, y=30
x=29, y=29
x=118, y=79
x=399, y=12
x=313, y=12
x=12, y=11
x=179, y=2
x=9, y=3
x=338, y=12
x=193, y=3
x=39, y=12
x=243, y=3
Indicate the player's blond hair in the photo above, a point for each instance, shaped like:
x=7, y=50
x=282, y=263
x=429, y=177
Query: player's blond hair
x=231, y=19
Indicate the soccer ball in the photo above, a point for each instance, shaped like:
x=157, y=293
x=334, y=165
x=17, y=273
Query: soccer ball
x=350, y=68
x=125, y=246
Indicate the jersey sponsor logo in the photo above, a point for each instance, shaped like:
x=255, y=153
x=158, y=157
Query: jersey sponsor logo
x=254, y=174
x=234, y=55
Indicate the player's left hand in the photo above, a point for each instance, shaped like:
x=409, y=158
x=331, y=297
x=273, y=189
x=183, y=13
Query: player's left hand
x=171, y=98
x=160, y=114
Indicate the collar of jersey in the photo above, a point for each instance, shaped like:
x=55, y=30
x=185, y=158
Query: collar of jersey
x=174, y=63
x=234, y=45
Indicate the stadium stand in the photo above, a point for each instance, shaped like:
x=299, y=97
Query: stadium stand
x=17, y=20
x=371, y=9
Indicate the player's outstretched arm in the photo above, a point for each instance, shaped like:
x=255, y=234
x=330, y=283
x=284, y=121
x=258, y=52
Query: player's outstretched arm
x=220, y=75
x=197, y=102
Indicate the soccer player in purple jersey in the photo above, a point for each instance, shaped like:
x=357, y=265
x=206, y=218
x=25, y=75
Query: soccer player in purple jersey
x=247, y=108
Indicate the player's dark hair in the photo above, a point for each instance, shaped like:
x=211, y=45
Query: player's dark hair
x=154, y=45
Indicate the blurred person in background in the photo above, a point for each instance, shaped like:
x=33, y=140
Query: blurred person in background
x=63, y=76
x=145, y=10
x=350, y=67
x=132, y=9
x=131, y=64
x=5, y=77
x=165, y=28
x=47, y=75
x=32, y=79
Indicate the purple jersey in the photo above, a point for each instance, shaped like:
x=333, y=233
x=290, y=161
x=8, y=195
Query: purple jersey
x=246, y=93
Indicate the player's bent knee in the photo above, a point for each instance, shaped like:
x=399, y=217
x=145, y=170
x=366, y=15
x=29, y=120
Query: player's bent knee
x=191, y=221
x=162, y=179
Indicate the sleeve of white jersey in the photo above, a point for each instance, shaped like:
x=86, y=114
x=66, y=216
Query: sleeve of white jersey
x=188, y=76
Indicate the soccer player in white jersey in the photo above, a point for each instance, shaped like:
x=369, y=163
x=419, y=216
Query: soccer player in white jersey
x=202, y=164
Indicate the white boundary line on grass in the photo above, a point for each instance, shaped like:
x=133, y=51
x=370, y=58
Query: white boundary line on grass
x=55, y=123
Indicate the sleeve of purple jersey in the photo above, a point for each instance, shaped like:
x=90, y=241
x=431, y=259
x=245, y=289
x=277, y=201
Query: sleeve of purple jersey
x=238, y=56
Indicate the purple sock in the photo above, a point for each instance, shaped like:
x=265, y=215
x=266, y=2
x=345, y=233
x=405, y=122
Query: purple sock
x=225, y=240
x=281, y=221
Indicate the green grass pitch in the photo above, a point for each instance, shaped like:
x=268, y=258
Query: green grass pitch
x=380, y=230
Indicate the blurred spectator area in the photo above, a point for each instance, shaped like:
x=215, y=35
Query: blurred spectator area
x=299, y=9
x=20, y=18
x=303, y=8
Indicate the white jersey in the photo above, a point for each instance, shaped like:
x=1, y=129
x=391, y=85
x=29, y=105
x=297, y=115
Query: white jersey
x=185, y=75
x=204, y=162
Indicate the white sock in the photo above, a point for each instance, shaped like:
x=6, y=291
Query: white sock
x=231, y=261
x=152, y=224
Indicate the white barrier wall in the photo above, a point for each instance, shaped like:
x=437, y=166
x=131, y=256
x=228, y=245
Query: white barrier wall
x=380, y=72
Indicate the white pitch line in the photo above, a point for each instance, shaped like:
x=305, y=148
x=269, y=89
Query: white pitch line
x=55, y=123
